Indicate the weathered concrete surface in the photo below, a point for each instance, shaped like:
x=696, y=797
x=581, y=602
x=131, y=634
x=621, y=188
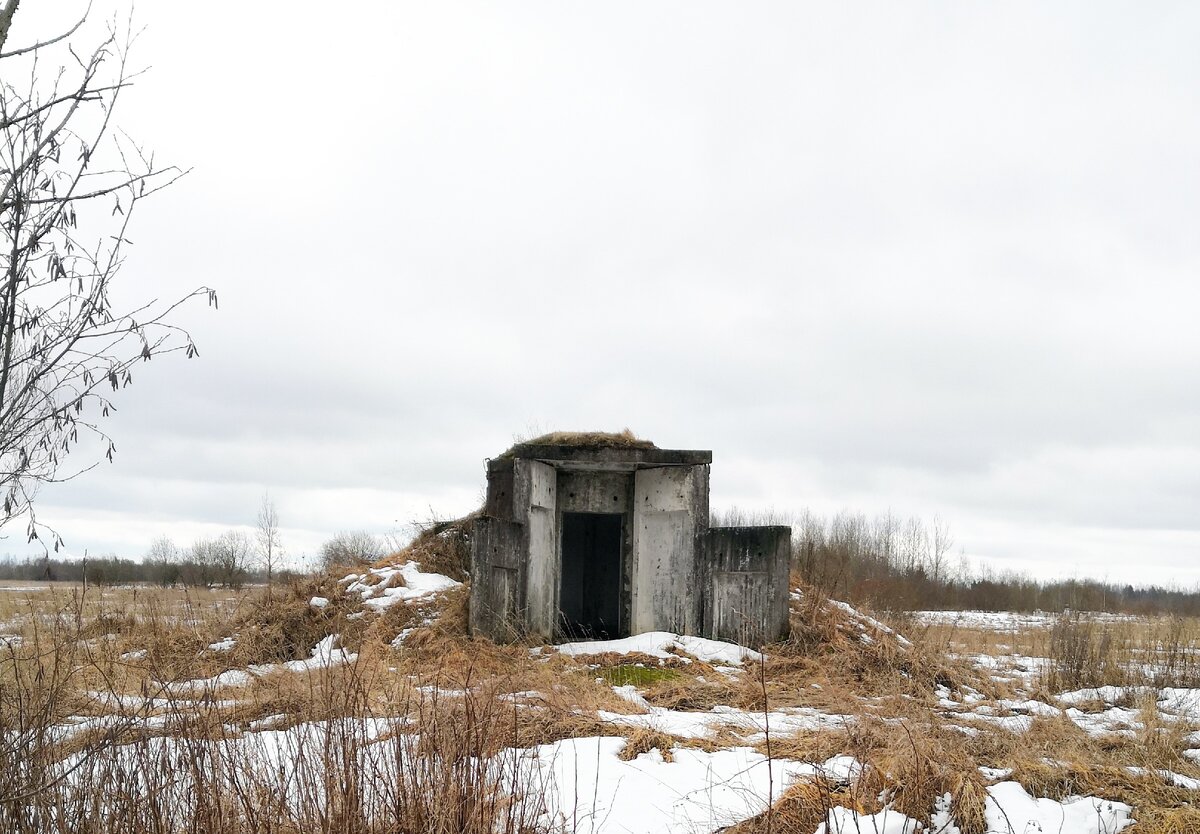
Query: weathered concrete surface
x=746, y=577
x=675, y=573
x=614, y=458
x=666, y=516
x=541, y=594
x=496, y=552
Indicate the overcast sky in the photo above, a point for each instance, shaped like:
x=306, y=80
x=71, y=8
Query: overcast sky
x=926, y=258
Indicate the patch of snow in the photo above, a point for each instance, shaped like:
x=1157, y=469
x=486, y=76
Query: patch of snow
x=318, y=602
x=848, y=821
x=1010, y=809
x=1030, y=707
x=591, y=791
x=630, y=693
x=1012, y=723
x=658, y=643
x=842, y=769
x=324, y=655
x=1103, y=694
x=381, y=593
x=1168, y=776
x=1112, y=720
x=525, y=695
x=1005, y=621
x=234, y=677
x=1182, y=702
x=223, y=645
x=994, y=774
x=268, y=722
x=865, y=620
x=707, y=724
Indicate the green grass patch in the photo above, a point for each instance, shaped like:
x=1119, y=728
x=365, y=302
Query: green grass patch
x=639, y=676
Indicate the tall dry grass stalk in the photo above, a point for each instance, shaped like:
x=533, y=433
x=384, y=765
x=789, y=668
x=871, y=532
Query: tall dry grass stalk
x=1084, y=652
x=91, y=741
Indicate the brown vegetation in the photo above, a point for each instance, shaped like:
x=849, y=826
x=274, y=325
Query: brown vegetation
x=624, y=439
x=445, y=697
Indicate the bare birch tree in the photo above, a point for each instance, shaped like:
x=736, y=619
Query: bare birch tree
x=70, y=182
x=267, y=531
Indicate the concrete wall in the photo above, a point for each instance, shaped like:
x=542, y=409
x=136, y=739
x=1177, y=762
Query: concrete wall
x=496, y=559
x=669, y=510
x=542, y=579
x=745, y=573
x=677, y=574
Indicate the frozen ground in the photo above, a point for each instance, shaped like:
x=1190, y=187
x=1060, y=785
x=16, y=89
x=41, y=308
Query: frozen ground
x=708, y=774
x=1005, y=621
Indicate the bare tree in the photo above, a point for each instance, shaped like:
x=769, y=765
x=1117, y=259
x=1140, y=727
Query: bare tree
x=940, y=543
x=231, y=555
x=351, y=548
x=269, y=548
x=199, y=568
x=70, y=182
x=163, y=558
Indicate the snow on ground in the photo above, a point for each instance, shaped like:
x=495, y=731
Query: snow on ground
x=234, y=677
x=863, y=621
x=381, y=593
x=324, y=655
x=1119, y=714
x=1103, y=694
x=1006, y=621
x=594, y=792
x=1011, y=810
x=707, y=724
x=1010, y=668
x=584, y=787
x=1174, y=705
x=847, y=821
x=1169, y=776
x=1182, y=702
x=659, y=643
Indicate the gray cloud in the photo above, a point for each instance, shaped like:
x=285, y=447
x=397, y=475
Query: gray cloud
x=934, y=259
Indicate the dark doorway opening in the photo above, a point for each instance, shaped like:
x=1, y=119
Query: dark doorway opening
x=590, y=594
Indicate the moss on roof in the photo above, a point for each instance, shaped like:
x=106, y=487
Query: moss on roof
x=624, y=439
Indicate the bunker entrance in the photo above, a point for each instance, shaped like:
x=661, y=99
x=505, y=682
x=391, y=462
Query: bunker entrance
x=590, y=595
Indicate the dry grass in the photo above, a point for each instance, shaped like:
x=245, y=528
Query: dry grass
x=439, y=547
x=465, y=698
x=1081, y=650
x=624, y=439
x=800, y=810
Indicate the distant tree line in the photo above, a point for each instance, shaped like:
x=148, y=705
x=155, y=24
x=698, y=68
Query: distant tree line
x=231, y=560
x=908, y=564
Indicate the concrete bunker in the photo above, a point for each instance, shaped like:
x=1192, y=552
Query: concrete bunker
x=606, y=537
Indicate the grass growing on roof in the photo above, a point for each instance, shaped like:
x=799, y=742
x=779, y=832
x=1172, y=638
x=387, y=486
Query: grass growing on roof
x=624, y=439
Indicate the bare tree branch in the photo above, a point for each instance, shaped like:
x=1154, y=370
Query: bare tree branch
x=6, y=20
x=63, y=344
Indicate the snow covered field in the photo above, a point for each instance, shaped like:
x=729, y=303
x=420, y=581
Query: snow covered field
x=1006, y=621
x=657, y=732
